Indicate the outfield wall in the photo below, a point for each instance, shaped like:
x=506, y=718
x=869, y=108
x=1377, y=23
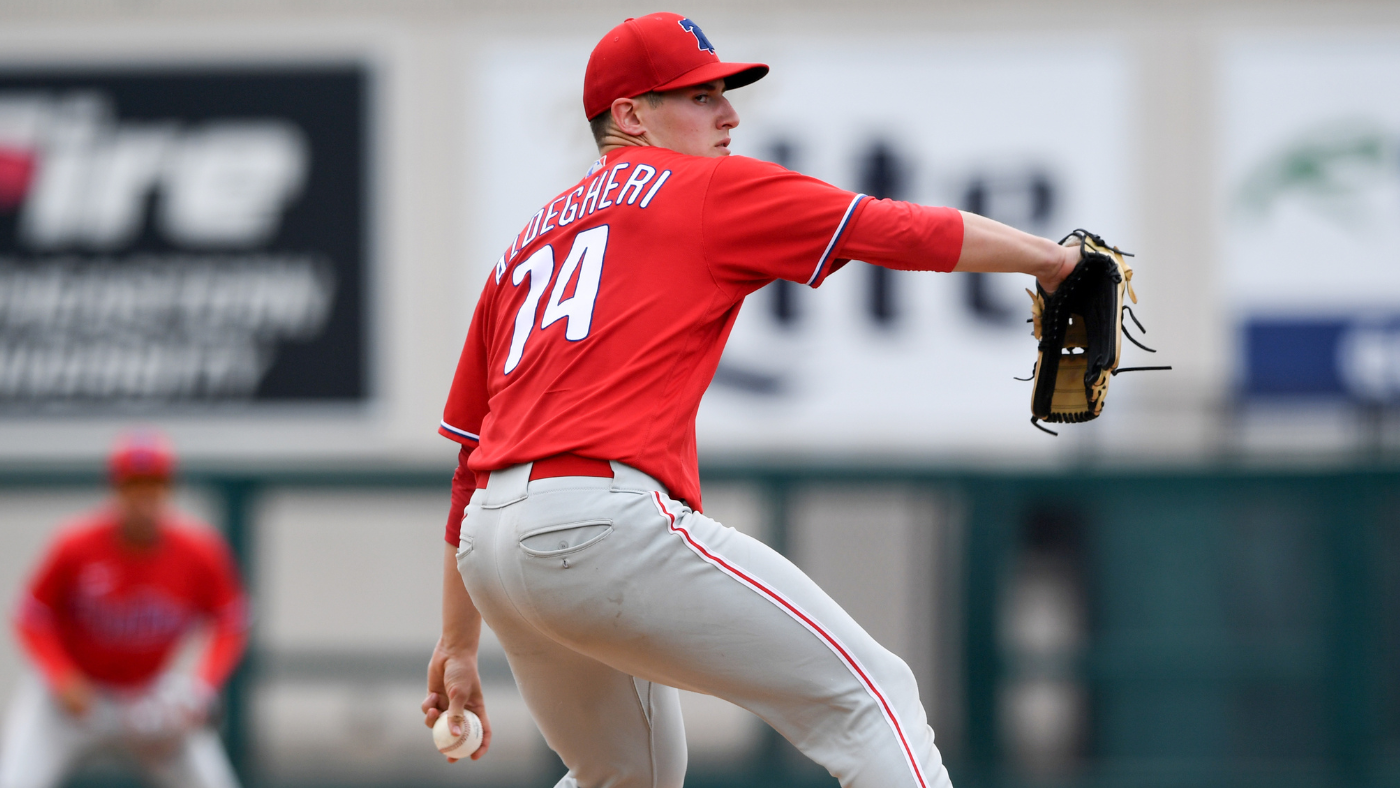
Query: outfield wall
x=1105, y=628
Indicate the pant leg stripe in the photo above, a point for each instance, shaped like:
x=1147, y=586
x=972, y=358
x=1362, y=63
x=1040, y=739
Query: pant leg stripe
x=811, y=624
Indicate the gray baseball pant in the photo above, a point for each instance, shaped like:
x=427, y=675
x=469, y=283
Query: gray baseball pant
x=606, y=594
x=43, y=743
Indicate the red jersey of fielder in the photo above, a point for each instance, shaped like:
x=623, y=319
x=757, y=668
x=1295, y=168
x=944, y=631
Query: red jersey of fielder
x=113, y=612
x=600, y=328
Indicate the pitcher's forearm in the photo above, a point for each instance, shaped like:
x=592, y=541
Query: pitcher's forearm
x=992, y=247
x=461, y=622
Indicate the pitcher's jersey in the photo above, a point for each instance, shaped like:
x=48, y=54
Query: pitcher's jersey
x=600, y=328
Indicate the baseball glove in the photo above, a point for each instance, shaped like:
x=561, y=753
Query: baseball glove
x=1080, y=328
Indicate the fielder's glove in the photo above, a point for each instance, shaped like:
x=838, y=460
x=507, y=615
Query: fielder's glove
x=1080, y=328
x=175, y=704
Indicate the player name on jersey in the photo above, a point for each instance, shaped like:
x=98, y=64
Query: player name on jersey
x=585, y=201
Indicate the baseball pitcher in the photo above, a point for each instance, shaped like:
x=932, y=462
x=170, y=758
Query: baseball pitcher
x=577, y=530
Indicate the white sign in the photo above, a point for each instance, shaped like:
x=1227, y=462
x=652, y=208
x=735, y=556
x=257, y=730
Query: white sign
x=1310, y=195
x=1310, y=175
x=1027, y=131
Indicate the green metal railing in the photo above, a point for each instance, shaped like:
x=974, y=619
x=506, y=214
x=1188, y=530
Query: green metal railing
x=1244, y=626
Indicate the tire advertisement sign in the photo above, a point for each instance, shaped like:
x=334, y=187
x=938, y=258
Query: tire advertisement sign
x=181, y=237
x=874, y=360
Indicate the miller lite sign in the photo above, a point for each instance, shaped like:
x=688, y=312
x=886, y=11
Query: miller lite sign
x=181, y=237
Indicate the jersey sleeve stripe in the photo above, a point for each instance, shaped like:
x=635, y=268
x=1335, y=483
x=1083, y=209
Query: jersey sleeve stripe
x=835, y=239
x=471, y=436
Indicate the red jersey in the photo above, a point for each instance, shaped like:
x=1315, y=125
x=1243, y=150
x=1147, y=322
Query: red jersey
x=113, y=612
x=600, y=328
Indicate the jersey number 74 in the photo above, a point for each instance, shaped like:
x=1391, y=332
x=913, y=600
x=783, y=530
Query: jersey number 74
x=585, y=258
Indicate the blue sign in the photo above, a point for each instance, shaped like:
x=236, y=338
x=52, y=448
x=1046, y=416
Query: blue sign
x=1337, y=358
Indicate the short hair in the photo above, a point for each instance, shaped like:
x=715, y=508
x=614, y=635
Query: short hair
x=602, y=123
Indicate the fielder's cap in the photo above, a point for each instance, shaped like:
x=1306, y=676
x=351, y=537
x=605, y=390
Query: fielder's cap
x=141, y=454
x=656, y=52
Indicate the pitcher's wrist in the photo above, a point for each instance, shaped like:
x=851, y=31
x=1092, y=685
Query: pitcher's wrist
x=459, y=645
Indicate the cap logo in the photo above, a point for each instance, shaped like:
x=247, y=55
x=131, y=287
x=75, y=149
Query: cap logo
x=700, y=40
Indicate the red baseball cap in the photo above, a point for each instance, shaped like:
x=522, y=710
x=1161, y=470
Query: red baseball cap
x=141, y=454
x=656, y=52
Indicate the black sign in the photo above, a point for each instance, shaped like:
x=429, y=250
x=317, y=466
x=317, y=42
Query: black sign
x=182, y=237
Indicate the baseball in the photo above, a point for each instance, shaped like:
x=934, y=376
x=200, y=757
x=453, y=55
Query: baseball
x=458, y=746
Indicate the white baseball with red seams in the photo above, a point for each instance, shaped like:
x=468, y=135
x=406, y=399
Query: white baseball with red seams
x=461, y=745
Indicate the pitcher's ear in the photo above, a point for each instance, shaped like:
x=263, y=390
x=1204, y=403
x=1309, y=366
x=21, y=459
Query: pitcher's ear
x=624, y=115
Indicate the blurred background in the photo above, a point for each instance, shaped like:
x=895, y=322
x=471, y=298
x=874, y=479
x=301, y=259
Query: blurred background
x=262, y=226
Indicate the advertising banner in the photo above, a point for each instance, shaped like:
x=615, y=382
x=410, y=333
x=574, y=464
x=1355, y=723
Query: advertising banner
x=1310, y=190
x=874, y=360
x=181, y=237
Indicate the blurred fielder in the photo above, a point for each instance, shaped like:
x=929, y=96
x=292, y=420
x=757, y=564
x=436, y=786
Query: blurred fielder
x=112, y=598
x=574, y=402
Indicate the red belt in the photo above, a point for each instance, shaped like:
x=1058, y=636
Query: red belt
x=560, y=465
